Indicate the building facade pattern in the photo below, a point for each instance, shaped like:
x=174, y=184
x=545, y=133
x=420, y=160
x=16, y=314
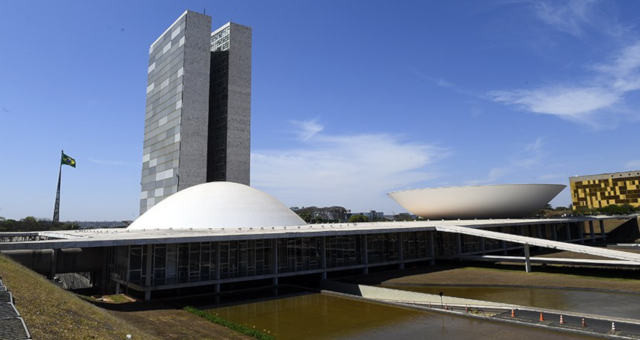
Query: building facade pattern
x=598, y=191
x=184, y=137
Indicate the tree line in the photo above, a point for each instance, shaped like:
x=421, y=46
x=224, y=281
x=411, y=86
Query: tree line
x=30, y=223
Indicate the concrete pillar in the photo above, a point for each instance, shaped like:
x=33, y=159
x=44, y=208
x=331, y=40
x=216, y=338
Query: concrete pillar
x=482, y=245
x=504, y=247
x=527, y=261
x=274, y=261
x=604, y=235
x=218, y=264
x=323, y=256
x=554, y=228
x=568, y=225
x=148, y=273
x=365, y=254
x=459, y=241
x=592, y=234
x=401, y=250
x=54, y=263
x=117, y=288
x=540, y=229
x=580, y=226
x=432, y=248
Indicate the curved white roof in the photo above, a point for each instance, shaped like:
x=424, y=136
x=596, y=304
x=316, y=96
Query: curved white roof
x=485, y=201
x=217, y=205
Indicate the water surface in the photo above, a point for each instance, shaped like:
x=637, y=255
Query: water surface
x=317, y=316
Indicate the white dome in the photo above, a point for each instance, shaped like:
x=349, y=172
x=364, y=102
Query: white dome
x=482, y=201
x=217, y=205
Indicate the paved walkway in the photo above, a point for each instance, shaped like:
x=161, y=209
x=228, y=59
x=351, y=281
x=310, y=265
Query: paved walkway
x=596, y=325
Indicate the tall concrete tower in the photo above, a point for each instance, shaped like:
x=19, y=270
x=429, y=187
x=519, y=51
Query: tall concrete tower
x=198, y=112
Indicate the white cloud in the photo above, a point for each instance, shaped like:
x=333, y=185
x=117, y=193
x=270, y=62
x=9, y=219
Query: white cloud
x=579, y=18
x=624, y=64
x=576, y=103
x=307, y=129
x=587, y=103
x=355, y=171
x=566, y=16
x=599, y=95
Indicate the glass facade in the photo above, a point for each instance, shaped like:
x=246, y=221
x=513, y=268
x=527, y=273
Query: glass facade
x=299, y=254
x=215, y=262
x=343, y=251
x=383, y=248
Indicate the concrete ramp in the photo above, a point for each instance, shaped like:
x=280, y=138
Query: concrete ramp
x=551, y=260
x=539, y=242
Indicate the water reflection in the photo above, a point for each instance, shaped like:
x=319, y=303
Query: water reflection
x=316, y=316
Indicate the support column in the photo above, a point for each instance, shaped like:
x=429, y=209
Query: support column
x=554, y=228
x=432, y=248
x=592, y=234
x=54, y=263
x=539, y=228
x=604, y=235
x=218, y=265
x=400, y=250
x=504, y=247
x=568, y=225
x=365, y=254
x=459, y=241
x=580, y=226
x=482, y=245
x=527, y=261
x=103, y=277
x=147, y=279
x=274, y=261
x=323, y=256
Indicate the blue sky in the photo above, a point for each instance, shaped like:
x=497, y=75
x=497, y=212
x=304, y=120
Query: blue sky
x=351, y=99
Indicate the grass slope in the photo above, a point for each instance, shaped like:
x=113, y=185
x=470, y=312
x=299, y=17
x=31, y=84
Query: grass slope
x=53, y=313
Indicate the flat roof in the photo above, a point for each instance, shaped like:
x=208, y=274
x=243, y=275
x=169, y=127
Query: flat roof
x=608, y=175
x=89, y=238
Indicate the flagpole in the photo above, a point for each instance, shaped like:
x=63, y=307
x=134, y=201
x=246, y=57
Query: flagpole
x=56, y=208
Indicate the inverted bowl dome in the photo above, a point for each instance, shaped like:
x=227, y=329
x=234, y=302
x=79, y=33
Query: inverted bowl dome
x=486, y=201
x=217, y=205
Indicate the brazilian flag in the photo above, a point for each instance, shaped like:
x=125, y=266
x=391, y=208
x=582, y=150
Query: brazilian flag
x=66, y=160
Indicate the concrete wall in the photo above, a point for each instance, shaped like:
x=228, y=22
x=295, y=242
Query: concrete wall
x=239, y=106
x=174, y=149
x=195, y=101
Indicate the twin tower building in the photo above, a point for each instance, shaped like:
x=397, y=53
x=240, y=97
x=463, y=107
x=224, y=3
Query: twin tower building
x=198, y=113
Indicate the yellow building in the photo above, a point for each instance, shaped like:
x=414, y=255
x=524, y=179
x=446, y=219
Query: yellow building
x=597, y=191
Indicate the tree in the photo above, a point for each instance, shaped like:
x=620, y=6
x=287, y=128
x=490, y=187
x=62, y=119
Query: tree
x=358, y=218
x=403, y=217
x=30, y=220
